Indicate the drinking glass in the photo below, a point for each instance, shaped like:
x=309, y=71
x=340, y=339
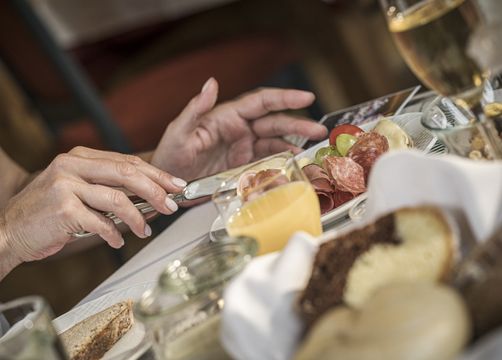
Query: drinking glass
x=269, y=201
x=433, y=38
x=27, y=331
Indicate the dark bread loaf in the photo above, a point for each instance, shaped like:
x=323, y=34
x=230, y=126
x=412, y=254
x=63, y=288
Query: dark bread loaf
x=408, y=244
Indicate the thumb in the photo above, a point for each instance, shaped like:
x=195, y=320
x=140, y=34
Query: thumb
x=200, y=104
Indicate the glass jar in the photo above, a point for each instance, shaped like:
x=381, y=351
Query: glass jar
x=182, y=313
x=26, y=331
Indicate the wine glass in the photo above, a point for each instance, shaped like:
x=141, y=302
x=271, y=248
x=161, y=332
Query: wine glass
x=269, y=201
x=433, y=38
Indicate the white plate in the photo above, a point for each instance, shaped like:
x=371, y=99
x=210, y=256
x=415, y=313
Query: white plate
x=410, y=123
x=134, y=342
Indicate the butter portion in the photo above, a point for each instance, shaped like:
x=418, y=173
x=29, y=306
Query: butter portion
x=397, y=137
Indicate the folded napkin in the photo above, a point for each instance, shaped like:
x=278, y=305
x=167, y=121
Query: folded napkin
x=411, y=178
x=259, y=320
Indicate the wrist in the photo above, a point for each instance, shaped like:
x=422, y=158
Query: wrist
x=8, y=257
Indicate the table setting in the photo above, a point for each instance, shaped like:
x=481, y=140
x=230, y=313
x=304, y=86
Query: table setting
x=383, y=241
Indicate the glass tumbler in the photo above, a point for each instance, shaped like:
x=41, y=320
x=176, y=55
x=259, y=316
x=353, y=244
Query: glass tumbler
x=27, y=332
x=269, y=201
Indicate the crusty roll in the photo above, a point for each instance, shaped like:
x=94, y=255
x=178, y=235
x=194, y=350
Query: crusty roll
x=91, y=338
x=413, y=321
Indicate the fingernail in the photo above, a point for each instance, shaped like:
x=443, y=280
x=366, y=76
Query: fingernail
x=179, y=182
x=148, y=230
x=206, y=85
x=171, y=204
x=120, y=243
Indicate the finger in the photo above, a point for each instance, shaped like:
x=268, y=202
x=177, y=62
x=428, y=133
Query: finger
x=199, y=105
x=281, y=124
x=105, y=199
x=260, y=103
x=125, y=174
x=265, y=147
x=167, y=181
x=94, y=222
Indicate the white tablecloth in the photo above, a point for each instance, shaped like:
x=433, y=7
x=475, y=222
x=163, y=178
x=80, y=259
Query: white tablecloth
x=185, y=233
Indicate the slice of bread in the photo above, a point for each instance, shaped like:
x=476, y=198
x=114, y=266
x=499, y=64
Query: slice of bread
x=91, y=338
x=408, y=244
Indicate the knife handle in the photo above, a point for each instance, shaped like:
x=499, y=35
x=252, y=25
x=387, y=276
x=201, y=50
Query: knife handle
x=142, y=205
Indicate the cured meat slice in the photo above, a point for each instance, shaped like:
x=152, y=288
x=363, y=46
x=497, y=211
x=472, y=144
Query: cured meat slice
x=347, y=175
x=367, y=149
x=253, y=184
x=326, y=201
x=318, y=177
x=322, y=185
x=341, y=197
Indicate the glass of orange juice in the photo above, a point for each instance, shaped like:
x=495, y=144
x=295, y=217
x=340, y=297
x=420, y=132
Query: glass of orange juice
x=269, y=201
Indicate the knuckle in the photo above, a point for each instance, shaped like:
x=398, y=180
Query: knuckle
x=266, y=102
x=61, y=161
x=163, y=178
x=60, y=184
x=78, y=150
x=133, y=159
x=117, y=198
x=68, y=210
x=126, y=169
x=107, y=227
x=158, y=193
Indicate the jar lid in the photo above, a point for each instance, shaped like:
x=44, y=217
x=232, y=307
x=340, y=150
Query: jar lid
x=207, y=266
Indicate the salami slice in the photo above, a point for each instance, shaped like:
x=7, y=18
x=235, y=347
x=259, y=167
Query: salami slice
x=318, y=177
x=326, y=201
x=322, y=185
x=367, y=150
x=341, y=197
x=347, y=175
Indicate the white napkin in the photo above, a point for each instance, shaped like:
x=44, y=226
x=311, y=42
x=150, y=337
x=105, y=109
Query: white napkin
x=259, y=320
x=411, y=178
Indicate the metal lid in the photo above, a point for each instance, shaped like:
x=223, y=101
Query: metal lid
x=204, y=268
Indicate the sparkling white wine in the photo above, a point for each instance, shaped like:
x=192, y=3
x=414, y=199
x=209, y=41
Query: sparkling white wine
x=432, y=36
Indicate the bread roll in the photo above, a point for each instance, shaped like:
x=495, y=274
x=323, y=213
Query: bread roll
x=425, y=252
x=413, y=321
x=91, y=338
x=408, y=244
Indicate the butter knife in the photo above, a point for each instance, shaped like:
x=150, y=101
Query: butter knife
x=194, y=190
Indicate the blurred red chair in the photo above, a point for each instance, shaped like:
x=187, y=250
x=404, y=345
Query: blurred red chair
x=133, y=116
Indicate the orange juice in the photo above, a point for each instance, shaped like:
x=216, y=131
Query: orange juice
x=275, y=215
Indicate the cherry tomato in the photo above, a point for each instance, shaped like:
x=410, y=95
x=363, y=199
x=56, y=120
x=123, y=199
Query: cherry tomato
x=343, y=129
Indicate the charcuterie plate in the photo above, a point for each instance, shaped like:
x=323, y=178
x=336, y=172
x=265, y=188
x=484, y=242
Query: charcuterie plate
x=422, y=140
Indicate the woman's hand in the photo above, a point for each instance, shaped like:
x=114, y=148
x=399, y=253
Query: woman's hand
x=68, y=196
x=204, y=139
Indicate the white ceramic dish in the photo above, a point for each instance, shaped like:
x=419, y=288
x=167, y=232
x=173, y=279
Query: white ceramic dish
x=133, y=343
x=422, y=140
